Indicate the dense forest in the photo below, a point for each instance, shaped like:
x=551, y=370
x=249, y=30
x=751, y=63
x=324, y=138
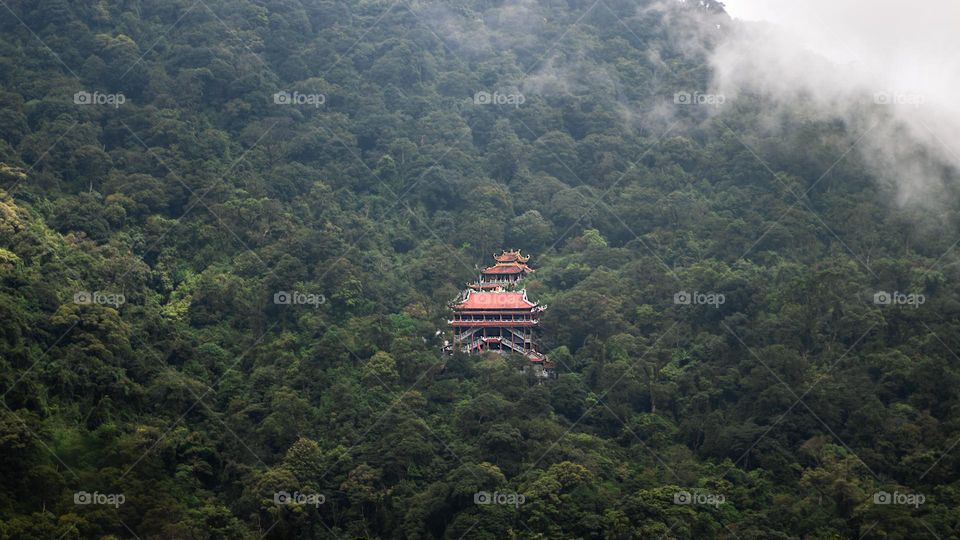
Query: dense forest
x=167, y=168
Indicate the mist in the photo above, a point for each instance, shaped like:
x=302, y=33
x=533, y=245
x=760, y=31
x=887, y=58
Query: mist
x=889, y=70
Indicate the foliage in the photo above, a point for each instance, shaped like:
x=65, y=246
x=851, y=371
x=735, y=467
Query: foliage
x=200, y=397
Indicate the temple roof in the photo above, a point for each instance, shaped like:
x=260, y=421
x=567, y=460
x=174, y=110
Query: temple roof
x=495, y=300
x=511, y=256
x=507, y=268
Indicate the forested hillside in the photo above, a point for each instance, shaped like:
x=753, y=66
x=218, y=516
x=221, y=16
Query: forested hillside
x=167, y=168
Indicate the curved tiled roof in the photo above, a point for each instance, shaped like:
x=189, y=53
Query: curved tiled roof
x=511, y=256
x=496, y=300
x=507, y=269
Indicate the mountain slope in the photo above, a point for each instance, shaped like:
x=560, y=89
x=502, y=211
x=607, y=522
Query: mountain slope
x=198, y=158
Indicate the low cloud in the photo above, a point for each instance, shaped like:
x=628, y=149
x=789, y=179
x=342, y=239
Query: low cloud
x=889, y=69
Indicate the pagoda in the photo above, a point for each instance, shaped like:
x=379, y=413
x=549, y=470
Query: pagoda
x=494, y=314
